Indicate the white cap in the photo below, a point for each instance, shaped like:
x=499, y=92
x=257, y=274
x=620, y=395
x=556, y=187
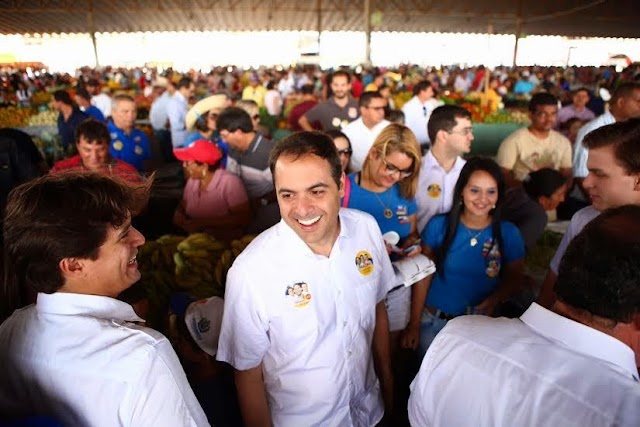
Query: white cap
x=204, y=320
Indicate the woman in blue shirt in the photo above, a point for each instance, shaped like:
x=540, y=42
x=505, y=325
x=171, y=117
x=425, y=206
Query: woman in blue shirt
x=386, y=189
x=479, y=257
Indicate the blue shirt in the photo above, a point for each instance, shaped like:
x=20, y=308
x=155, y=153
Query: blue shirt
x=471, y=273
x=132, y=148
x=376, y=203
x=94, y=112
x=67, y=129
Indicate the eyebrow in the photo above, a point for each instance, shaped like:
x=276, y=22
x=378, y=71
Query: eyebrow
x=125, y=229
x=313, y=187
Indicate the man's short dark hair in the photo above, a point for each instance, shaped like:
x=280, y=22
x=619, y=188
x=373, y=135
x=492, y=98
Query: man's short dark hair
x=93, y=82
x=624, y=137
x=420, y=86
x=368, y=96
x=83, y=93
x=540, y=99
x=624, y=90
x=63, y=96
x=307, y=89
x=184, y=82
x=233, y=118
x=582, y=89
x=93, y=131
x=341, y=73
x=444, y=118
x=62, y=216
x=600, y=272
x=301, y=144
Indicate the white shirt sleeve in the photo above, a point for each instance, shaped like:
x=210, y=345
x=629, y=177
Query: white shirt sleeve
x=580, y=154
x=243, y=338
x=163, y=395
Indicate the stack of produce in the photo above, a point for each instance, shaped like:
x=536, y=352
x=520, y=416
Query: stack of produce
x=14, y=117
x=43, y=118
x=195, y=261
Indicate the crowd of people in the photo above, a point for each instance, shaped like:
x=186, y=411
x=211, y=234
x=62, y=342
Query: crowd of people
x=320, y=324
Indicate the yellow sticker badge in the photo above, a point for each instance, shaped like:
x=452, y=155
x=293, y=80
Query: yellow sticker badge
x=364, y=262
x=298, y=294
x=138, y=150
x=117, y=145
x=434, y=190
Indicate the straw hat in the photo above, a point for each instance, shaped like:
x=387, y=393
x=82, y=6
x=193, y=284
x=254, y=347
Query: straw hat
x=203, y=106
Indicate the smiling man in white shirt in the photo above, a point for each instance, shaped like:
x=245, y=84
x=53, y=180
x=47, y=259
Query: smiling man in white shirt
x=78, y=355
x=571, y=365
x=304, y=316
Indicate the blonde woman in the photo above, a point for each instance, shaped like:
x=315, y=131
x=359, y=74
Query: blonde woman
x=386, y=188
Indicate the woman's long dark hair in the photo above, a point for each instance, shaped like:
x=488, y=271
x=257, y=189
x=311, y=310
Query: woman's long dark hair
x=453, y=217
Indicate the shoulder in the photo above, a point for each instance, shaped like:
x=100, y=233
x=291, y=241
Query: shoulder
x=508, y=229
x=583, y=217
x=517, y=135
x=560, y=139
x=438, y=222
x=70, y=163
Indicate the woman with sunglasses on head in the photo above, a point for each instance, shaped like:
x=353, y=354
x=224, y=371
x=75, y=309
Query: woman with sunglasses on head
x=479, y=257
x=343, y=145
x=386, y=189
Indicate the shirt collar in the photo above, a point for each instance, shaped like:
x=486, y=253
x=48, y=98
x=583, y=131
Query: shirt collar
x=581, y=338
x=299, y=246
x=64, y=303
x=431, y=162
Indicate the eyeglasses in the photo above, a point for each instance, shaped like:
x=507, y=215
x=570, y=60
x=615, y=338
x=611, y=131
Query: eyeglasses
x=345, y=152
x=463, y=132
x=255, y=117
x=376, y=108
x=213, y=116
x=392, y=170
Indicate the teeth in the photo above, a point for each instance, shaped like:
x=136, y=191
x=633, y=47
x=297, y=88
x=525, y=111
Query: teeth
x=132, y=260
x=309, y=221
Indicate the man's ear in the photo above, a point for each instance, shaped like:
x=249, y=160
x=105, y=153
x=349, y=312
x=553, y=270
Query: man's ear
x=341, y=190
x=71, y=267
x=636, y=184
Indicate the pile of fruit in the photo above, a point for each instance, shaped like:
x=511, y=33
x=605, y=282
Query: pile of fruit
x=196, y=264
x=14, y=117
x=43, y=118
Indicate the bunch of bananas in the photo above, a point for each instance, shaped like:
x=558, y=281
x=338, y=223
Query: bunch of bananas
x=227, y=257
x=195, y=259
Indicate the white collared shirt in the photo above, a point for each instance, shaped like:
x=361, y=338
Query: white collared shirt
x=416, y=117
x=158, y=115
x=79, y=359
x=540, y=370
x=580, y=152
x=435, y=188
x=361, y=138
x=102, y=102
x=177, y=113
x=314, y=340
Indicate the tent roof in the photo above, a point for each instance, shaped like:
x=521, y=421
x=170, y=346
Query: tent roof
x=595, y=18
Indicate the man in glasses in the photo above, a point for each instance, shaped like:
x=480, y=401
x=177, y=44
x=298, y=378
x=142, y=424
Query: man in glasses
x=451, y=134
x=418, y=110
x=363, y=131
x=537, y=146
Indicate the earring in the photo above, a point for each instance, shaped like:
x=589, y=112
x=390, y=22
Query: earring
x=204, y=173
x=493, y=206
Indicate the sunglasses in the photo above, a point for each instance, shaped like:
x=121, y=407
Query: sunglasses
x=345, y=152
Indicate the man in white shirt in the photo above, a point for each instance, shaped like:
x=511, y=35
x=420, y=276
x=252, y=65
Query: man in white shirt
x=307, y=318
x=99, y=99
x=613, y=180
x=418, y=110
x=79, y=355
x=364, y=130
x=569, y=366
x=177, y=111
x=624, y=104
x=451, y=131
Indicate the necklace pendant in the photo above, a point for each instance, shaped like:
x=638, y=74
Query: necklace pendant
x=473, y=241
x=387, y=213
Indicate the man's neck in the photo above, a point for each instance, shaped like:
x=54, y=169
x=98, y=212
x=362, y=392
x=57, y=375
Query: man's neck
x=579, y=109
x=540, y=134
x=341, y=102
x=445, y=158
x=324, y=247
x=617, y=115
x=125, y=130
x=247, y=140
x=369, y=125
x=66, y=112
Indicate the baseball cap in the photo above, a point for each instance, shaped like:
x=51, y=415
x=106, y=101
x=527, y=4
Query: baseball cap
x=202, y=151
x=204, y=320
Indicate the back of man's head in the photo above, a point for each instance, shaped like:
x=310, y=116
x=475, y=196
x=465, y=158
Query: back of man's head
x=93, y=132
x=307, y=89
x=444, y=118
x=366, y=97
x=61, y=216
x=420, y=86
x=600, y=273
x=624, y=90
x=63, y=96
x=542, y=98
x=624, y=137
x=184, y=82
x=233, y=118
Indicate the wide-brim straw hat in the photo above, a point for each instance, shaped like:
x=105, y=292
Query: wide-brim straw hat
x=201, y=107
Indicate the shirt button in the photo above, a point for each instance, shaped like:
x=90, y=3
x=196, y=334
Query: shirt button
x=349, y=353
x=344, y=323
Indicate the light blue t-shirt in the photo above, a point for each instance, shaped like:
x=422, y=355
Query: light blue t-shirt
x=471, y=273
x=375, y=204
